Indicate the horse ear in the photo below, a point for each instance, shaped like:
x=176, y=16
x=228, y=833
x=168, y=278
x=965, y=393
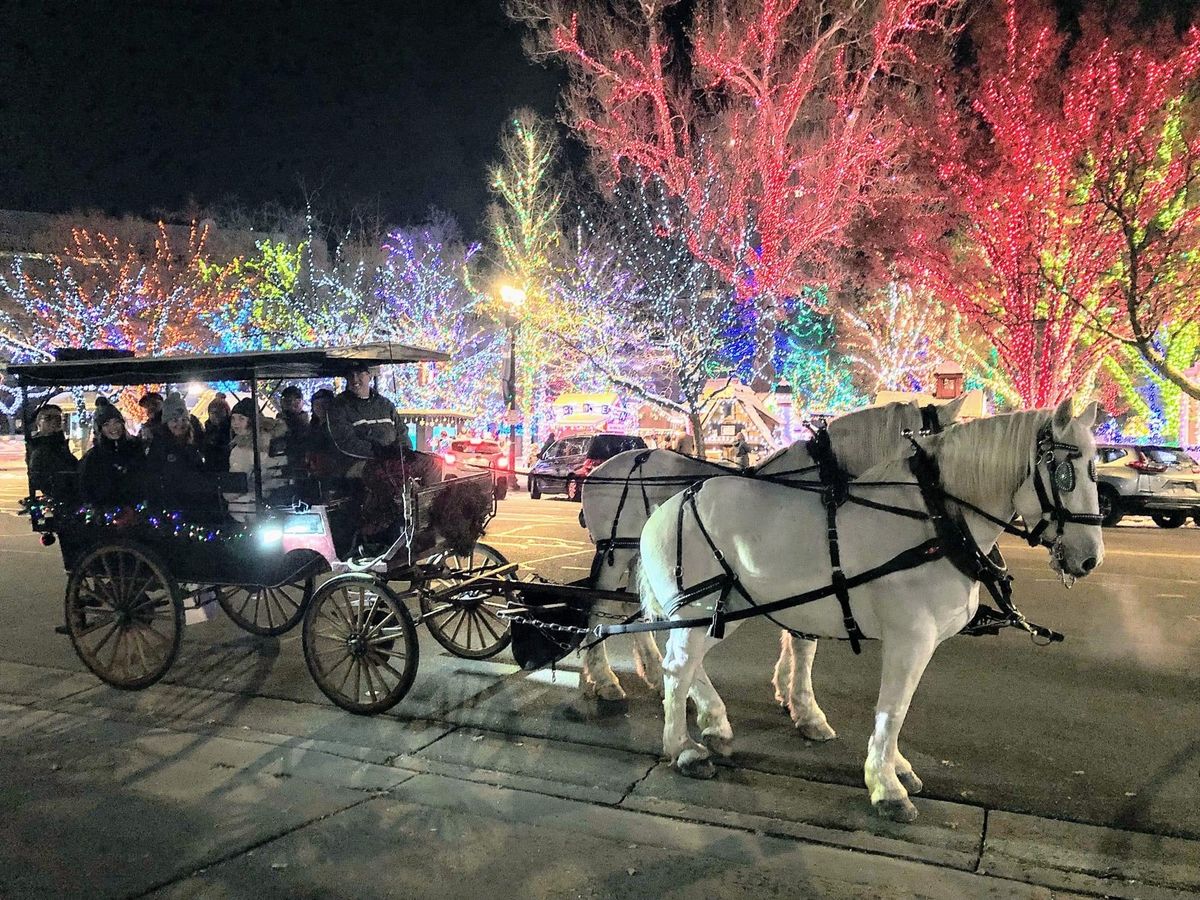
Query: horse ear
x=1087, y=418
x=1062, y=415
x=947, y=413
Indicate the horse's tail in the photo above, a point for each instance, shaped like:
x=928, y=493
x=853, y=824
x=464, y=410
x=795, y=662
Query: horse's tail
x=651, y=608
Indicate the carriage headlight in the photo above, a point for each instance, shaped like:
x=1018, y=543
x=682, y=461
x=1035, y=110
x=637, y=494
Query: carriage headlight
x=303, y=524
x=270, y=534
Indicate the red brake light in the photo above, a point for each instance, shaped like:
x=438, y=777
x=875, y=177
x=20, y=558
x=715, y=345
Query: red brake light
x=501, y=463
x=1147, y=468
x=588, y=465
x=450, y=458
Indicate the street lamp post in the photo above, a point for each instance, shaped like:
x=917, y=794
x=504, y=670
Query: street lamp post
x=512, y=298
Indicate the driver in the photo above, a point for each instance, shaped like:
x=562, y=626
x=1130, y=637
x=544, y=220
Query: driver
x=373, y=449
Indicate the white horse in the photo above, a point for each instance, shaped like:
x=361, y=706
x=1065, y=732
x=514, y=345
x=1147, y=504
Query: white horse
x=774, y=540
x=620, y=495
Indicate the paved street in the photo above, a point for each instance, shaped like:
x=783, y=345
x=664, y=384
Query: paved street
x=1098, y=731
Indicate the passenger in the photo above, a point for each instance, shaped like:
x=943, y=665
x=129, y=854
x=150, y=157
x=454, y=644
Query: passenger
x=241, y=456
x=175, y=465
x=291, y=407
x=217, y=435
x=49, y=453
x=152, y=404
x=109, y=473
x=321, y=454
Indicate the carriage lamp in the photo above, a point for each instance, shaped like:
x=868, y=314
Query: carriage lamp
x=271, y=533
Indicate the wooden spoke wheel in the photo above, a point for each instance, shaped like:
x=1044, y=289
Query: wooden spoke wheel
x=466, y=623
x=360, y=644
x=124, y=615
x=267, y=611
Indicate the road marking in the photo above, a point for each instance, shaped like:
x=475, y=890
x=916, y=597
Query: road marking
x=1156, y=554
x=1171, y=596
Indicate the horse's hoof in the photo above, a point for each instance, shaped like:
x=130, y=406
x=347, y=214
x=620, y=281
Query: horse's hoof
x=901, y=810
x=610, y=691
x=911, y=782
x=816, y=731
x=721, y=746
x=692, y=766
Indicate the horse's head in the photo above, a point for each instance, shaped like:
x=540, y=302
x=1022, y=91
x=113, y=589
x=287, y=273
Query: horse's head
x=870, y=436
x=1058, y=501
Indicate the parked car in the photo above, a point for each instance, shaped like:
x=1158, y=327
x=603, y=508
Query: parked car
x=468, y=454
x=1161, y=482
x=562, y=467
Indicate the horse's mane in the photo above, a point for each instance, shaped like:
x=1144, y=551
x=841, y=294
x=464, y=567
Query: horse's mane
x=984, y=458
x=867, y=437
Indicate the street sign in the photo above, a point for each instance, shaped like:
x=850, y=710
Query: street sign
x=513, y=417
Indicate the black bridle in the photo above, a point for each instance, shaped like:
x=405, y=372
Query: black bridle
x=1061, y=481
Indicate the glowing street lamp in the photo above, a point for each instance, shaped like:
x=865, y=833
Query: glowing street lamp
x=513, y=299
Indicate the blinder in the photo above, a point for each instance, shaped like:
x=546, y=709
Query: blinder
x=1062, y=481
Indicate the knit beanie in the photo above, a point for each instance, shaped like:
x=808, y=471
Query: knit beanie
x=106, y=412
x=244, y=407
x=174, y=408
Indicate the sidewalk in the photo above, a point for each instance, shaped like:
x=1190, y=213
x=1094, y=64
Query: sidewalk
x=184, y=792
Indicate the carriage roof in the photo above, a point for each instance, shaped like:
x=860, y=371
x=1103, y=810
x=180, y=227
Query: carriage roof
x=313, y=362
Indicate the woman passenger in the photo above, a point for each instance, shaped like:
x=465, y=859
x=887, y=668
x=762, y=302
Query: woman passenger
x=175, y=465
x=109, y=473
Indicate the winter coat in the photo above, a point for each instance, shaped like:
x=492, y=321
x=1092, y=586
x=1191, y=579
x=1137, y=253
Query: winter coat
x=111, y=472
x=48, y=456
x=358, y=425
x=216, y=445
x=321, y=454
x=174, y=476
x=241, y=459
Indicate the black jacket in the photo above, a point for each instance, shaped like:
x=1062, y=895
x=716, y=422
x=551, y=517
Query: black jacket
x=110, y=474
x=357, y=426
x=48, y=456
x=216, y=444
x=174, y=476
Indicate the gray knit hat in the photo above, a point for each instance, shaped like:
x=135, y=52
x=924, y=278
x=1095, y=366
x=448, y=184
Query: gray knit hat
x=174, y=407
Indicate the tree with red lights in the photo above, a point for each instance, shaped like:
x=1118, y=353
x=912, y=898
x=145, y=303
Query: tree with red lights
x=1036, y=251
x=770, y=119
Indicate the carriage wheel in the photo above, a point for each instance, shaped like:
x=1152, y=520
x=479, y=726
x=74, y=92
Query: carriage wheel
x=267, y=611
x=360, y=644
x=124, y=615
x=466, y=623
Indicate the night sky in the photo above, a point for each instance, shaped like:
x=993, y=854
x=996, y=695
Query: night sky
x=139, y=107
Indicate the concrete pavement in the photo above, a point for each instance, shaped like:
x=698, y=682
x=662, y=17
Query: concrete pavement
x=187, y=793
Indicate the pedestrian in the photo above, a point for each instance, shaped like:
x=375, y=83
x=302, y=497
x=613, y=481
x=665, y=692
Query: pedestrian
x=49, y=453
x=741, y=450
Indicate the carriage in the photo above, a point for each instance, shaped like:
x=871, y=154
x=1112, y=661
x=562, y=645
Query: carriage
x=137, y=574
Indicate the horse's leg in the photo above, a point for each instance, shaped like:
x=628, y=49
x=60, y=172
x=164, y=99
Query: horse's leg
x=685, y=652
x=808, y=717
x=597, y=678
x=646, y=656
x=715, y=731
x=781, y=679
x=905, y=656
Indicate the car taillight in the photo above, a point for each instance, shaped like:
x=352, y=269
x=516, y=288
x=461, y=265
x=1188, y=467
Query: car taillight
x=1147, y=468
x=501, y=463
x=450, y=458
x=588, y=465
